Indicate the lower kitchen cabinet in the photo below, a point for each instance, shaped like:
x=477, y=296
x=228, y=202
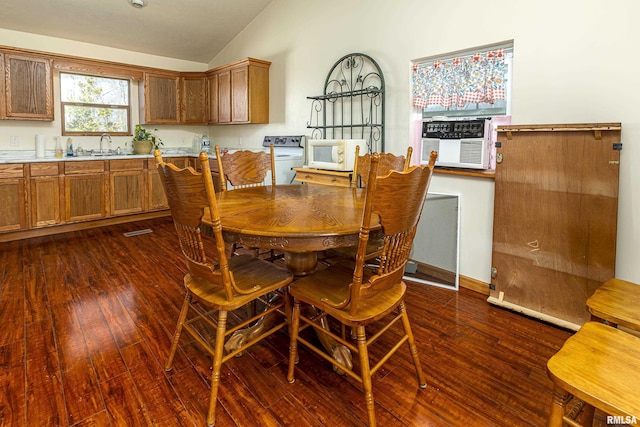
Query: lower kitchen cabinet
x=157, y=198
x=46, y=185
x=36, y=197
x=127, y=186
x=13, y=215
x=85, y=190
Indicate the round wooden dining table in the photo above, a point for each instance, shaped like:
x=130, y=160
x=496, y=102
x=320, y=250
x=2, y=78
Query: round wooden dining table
x=300, y=220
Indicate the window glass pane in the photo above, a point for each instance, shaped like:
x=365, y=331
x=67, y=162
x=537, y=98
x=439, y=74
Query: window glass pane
x=94, y=105
x=93, y=90
x=92, y=119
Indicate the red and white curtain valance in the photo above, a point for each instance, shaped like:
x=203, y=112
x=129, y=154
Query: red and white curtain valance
x=460, y=80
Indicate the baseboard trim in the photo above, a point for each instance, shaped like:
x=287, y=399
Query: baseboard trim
x=474, y=285
x=64, y=228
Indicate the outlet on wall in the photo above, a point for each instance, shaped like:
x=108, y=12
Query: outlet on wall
x=14, y=141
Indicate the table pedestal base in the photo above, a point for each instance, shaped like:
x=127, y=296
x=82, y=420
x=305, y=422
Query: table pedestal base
x=301, y=263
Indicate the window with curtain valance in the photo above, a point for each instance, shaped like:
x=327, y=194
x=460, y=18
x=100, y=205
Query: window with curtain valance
x=474, y=83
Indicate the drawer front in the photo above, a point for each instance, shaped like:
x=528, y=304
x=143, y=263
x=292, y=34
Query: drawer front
x=44, y=169
x=12, y=170
x=89, y=166
x=316, y=178
x=127, y=165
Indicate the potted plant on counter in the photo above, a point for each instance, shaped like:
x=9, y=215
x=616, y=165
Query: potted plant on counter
x=144, y=140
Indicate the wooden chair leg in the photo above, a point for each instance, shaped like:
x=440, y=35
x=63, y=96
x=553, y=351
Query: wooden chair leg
x=588, y=413
x=558, y=404
x=288, y=308
x=176, y=336
x=217, y=365
x=365, y=372
x=422, y=382
x=293, y=346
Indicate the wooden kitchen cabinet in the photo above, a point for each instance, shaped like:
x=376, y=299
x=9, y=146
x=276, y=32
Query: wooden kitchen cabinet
x=213, y=86
x=13, y=214
x=161, y=98
x=157, y=197
x=127, y=186
x=175, y=98
x=28, y=85
x=47, y=195
x=193, y=109
x=555, y=216
x=85, y=185
x=239, y=92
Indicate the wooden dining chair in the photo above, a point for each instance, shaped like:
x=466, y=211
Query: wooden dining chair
x=245, y=168
x=361, y=298
x=359, y=178
x=596, y=368
x=388, y=162
x=214, y=287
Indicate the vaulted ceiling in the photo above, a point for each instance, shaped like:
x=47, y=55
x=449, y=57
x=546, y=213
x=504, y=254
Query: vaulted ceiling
x=193, y=30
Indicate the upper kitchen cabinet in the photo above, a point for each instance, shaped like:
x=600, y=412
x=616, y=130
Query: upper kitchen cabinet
x=28, y=87
x=161, y=98
x=174, y=98
x=194, y=98
x=239, y=92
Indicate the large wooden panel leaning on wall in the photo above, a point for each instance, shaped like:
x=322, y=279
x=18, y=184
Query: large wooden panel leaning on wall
x=235, y=93
x=555, y=214
x=43, y=198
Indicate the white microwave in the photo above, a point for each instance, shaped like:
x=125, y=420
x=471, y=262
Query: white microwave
x=459, y=143
x=334, y=154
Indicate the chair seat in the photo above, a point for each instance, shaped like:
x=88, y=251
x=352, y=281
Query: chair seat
x=333, y=284
x=601, y=366
x=617, y=301
x=247, y=271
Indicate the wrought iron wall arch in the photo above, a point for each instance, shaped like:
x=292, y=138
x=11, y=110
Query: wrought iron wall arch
x=352, y=103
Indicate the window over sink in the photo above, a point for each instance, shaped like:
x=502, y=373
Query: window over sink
x=93, y=105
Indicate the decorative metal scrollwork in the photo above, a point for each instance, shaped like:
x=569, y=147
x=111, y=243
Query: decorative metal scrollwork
x=352, y=104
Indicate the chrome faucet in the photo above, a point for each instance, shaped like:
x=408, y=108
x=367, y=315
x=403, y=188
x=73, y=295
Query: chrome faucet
x=105, y=135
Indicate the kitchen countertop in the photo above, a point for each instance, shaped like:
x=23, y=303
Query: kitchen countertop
x=30, y=156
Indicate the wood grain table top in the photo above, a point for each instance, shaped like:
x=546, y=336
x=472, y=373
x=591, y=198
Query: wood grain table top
x=294, y=218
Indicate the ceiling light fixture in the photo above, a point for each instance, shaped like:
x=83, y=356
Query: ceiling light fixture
x=138, y=4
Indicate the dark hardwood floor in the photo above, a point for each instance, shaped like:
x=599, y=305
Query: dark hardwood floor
x=87, y=317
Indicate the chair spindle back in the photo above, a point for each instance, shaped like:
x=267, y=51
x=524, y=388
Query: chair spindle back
x=189, y=194
x=397, y=198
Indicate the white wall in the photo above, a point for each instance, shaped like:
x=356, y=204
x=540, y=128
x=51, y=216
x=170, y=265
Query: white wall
x=574, y=62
